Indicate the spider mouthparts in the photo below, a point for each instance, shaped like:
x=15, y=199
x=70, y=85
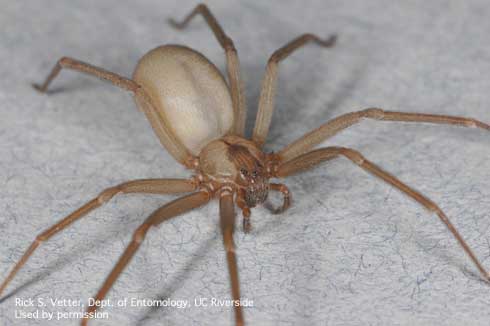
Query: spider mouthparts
x=256, y=194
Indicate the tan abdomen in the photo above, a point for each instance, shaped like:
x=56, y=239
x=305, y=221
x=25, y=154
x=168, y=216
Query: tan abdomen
x=189, y=93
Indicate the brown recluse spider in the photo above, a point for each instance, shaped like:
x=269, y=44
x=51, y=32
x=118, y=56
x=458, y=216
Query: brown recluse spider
x=200, y=120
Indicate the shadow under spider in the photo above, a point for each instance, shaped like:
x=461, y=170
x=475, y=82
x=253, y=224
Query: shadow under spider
x=175, y=283
x=100, y=239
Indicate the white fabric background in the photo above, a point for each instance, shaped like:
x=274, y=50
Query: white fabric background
x=350, y=251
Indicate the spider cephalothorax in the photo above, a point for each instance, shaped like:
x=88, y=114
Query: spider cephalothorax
x=200, y=120
x=241, y=164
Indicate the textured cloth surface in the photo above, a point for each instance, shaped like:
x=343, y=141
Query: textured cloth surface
x=350, y=251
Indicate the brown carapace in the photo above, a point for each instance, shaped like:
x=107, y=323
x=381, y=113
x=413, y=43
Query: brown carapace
x=200, y=119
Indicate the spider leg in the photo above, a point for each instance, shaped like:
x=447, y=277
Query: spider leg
x=164, y=213
x=286, y=198
x=77, y=65
x=332, y=127
x=166, y=137
x=227, y=223
x=155, y=186
x=312, y=158
x=232, y=62
x=269, y=83
x=242, y=204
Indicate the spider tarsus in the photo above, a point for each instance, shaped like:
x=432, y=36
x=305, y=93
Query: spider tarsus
x=327, y=42
x=479, y=124
x=39, y=88
x=175, y=24
x=330, y=41
x=84, y=322
x=247, y=226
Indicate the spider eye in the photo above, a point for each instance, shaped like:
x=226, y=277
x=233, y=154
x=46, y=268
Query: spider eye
x=254, y=173
x=244, y=172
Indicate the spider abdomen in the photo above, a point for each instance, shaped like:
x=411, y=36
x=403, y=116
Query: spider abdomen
x=189, y=93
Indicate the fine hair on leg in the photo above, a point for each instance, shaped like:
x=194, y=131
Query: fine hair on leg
x=269, y=83
x=334, y=126
x=309, y=160
x=164, y=213
x=227, y=224
x=153, y=186
x=232, y=63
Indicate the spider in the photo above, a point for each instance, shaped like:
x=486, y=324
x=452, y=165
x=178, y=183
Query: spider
x=200, y=120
